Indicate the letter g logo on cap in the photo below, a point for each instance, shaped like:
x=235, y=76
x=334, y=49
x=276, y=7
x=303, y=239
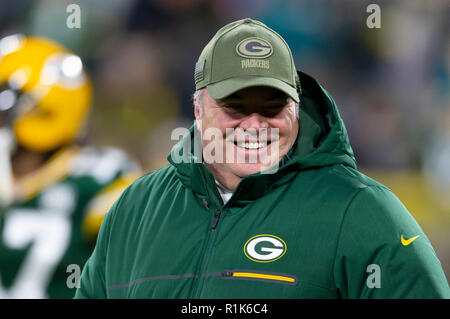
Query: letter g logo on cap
x=264, y=248
x=255, y=48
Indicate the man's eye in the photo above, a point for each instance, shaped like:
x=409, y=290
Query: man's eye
x=235, y=108
x=274, y=108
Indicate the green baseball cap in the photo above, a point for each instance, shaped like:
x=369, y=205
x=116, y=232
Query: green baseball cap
x=243, y=54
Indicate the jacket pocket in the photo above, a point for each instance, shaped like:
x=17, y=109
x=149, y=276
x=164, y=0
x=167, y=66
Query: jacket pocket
x=255, y=275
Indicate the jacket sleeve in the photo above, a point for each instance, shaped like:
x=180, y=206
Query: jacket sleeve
x=372, y=259
x=92, y=281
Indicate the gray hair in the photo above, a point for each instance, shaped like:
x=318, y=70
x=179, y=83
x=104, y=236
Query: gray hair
x=198, y=97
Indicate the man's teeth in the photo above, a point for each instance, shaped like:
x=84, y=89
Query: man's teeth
x=255, y=145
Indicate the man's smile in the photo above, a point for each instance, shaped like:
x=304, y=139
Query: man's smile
x=256, y=145
x=252, y=145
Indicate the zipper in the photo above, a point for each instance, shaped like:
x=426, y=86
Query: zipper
x=260, y=276
x=212, y=194
x=206, y=254
x=216, y=219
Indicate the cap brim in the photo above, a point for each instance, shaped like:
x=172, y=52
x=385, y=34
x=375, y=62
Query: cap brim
x=224, y=88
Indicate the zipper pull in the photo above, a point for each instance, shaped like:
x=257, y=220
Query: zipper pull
x=227, y=273
x=216, y=219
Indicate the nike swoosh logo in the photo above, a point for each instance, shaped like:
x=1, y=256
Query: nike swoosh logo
x=406, y=242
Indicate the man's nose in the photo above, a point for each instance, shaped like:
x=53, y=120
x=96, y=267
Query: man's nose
x=254, y=121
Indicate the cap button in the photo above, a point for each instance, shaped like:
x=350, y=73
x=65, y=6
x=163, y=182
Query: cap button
x=248, y=20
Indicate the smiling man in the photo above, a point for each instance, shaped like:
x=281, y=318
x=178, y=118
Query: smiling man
x=255, y=128
x=274, y=207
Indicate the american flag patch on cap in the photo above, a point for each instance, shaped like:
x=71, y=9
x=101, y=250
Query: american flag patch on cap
x=198, y=73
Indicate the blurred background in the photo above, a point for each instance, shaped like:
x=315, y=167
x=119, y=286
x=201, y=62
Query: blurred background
x=391, y=84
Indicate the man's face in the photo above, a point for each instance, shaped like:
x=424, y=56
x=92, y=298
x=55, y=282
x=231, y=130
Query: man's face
x=256, y=127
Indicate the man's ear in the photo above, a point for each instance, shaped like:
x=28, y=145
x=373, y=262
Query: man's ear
x=196, y=108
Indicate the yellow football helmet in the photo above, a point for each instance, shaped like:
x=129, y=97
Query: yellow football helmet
x=45, y=93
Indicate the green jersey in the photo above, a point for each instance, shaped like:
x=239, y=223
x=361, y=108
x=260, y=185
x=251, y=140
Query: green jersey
x=50, y=229
x=316, y=228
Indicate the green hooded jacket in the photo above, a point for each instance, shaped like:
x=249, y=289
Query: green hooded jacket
x=317, y=228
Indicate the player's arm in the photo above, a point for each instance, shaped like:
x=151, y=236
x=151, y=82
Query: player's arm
x=6, y=179
x=92, y=282
x=103, y=201
x=372, y=259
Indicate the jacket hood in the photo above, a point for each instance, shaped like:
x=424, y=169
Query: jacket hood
x=322, y=141
x=323, y=138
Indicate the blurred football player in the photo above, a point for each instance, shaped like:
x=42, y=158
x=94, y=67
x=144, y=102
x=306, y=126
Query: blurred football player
x=53, y=192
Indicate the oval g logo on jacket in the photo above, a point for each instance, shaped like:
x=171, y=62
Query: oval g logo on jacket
x=264, y=248
x=255, y=48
